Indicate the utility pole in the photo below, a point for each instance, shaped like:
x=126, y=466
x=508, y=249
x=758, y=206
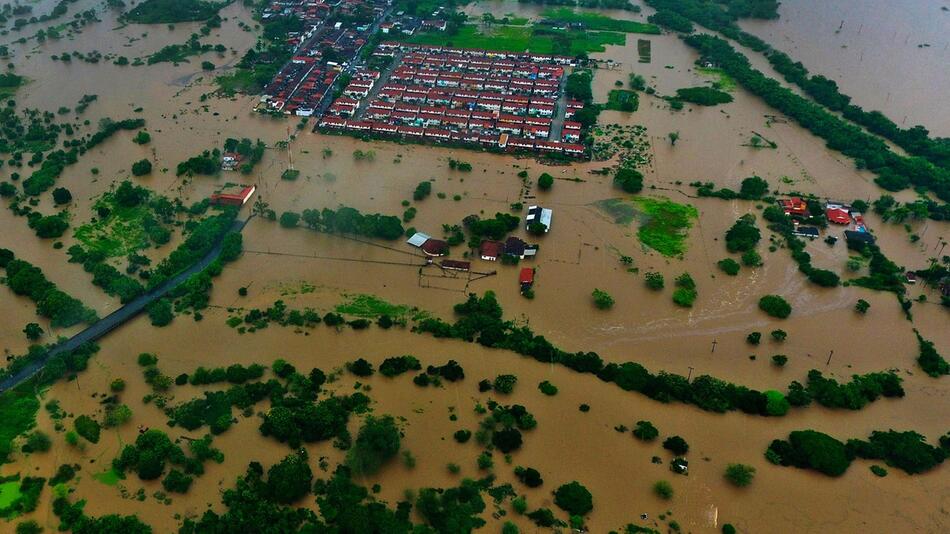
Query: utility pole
x=714, y=345
x=690, y=375
x=830, y=354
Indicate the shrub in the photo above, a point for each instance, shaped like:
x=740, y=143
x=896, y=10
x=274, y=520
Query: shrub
x=505, y=384
x=141, y=167
x=629, y=180
x=663, y=490
x=728, y=529
x=545, y=181
x=160, y=312
x=729, y=266
x=398, y=365
x=547, y=388
x=574, y=499
x=377, y=442
x=808, y=449
x=519, y=505
x=676, y=445
x=484, y=460
x=684, y=297
x=28, y=527
x=743, y=236
x=462, y=436
x=36, y=441
x=930, y=361
x=654, y=280
x=602, y=299
x=117, y=385
x=754, y=338
x=779, y=335
x=422, y=190
x=775, y=403
x=879, y=471
x=740, y=475
x=751, y=258
x=289, y=480
x=142, y=138
x=775, y=306
x=61, y=195
x=145, y=359
x=529, y=476
x=862, y=306
x=780, y=360
x=507, y=440
x=360, y=367
x=289, y=219
x=645, y=431
x=88, y=428
x=177, y=482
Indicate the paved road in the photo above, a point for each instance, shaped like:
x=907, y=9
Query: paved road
x=115, y=319
x=378, y=86
x=557, y=125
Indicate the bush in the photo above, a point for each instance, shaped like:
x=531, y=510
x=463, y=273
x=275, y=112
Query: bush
x=729, y=266
x=663, y=490
x=422, y=190
x=740, y=475
x=462, y=436
x=160, y=312
x=61, y=195
x=507, y=440
x=376, y=443
x=703, y=96
x=117, y=385
x=728, y=529
x=289, y=480
x=676, y=445
x=775, y=403
x=779, y=360
x=743, y=236
x=145, y=359
x=645, y=431
x=36, y=441
x=545, y=181
x=177, y=482
x=654, y=280
x=289, y=219
x=629, y=180
x=141, y=167
x=142, y=138
x=505, y=384
x=751, y=258
x=574, y=498
x=775, y=306
x=28, y=527
x=779, y=335
x=547, y=388
x=529, y=476
x=754, y=338
x=808, y=449
x=878, y=471
x=602, y=299
x=88, y=428
x=862, y=306
x=360, y=367
x=398, y=365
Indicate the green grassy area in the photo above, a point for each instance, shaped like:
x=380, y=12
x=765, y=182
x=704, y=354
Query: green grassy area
x=622, y=100
x=120, y=233
x=9, y=493
x=723, y=81
x=522, y=38
x=371, y=307
x=596, y=21
x=664, y=224
x=109, y=478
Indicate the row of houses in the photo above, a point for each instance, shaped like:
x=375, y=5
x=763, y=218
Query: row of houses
x=391, y=47
x=506, y=85
x=502, y=141
x=533, y=105
x=465, y=66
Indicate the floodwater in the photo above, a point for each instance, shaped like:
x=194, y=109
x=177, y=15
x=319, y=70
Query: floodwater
x=580, y=253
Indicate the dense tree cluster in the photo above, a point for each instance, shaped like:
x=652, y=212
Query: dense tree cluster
x=376, y=443
x=744, y=235
x=930, y=360
x=347, y=220
x=782, y=225
x=203, y=236
x=26, y=279
x=207, y=163
x=170, y=11
x=853, y=395
x=703, y=96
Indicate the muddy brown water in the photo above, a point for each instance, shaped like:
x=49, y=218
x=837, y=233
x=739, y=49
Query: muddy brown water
x=580, y=253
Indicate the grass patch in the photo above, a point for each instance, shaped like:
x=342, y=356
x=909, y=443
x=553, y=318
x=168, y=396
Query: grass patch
x=109, y=478
x=663, y=223
x=596, y=21
x=120, y=233
x=522, y=38
x=723, y=81
x=622, y=100
x=9, y=493
x=371, y=307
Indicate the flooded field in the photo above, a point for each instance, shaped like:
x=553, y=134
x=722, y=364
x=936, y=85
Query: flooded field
x=583, y=251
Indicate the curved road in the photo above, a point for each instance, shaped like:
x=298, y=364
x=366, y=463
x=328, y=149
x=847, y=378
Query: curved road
x=117, y=318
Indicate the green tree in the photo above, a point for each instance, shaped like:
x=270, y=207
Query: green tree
x=629, y=180
x=61, y=195
x=602, y=299
x=645, y=431
x=376, y=443
x=740, y=475
x=141, y=167
x=160, y=312
x=574, y=498
x=654, y=280
x=663, y=489
x=33, y=331
x=290, y=479
x=545, y=181
x=775, y=306
x=289, y=219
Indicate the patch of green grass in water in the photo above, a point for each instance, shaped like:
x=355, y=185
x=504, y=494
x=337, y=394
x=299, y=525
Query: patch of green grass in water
x=119, y=234
x=723, y=82
x=664, y=224
x=596, y=21
x=371, y=307
x=109, y=478
x=519, y=39
x=9, y=493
